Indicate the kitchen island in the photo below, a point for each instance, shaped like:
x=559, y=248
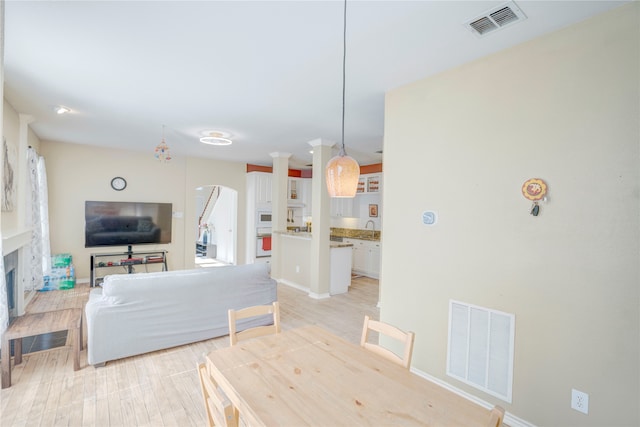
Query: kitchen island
x=296, y=262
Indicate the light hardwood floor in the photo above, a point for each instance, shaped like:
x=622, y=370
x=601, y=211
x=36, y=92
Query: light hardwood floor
x=154, y=389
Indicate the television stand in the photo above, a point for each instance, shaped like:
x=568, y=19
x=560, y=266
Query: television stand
x=128, y=261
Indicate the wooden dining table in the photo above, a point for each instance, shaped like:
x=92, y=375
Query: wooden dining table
x=309, y=376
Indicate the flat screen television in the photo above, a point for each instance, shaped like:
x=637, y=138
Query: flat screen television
x=126, y=223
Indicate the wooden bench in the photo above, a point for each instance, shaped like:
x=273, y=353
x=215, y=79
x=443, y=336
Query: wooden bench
x=37, y=324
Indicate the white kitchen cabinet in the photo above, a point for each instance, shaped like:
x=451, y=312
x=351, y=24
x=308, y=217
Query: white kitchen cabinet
x=342, y=207
x=374, y=260
x=360, y=251
x=370, y=183
x=340, y=271
x=366, y=257
x=295, y=191
x=263, y=188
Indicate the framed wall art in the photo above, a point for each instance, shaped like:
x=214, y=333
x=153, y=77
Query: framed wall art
x=8, y=178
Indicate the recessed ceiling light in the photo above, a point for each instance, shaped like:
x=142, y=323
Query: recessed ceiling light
x=62, y=109
x=216, y=138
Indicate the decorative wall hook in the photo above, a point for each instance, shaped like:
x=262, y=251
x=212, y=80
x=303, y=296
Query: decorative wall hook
x=534, y=189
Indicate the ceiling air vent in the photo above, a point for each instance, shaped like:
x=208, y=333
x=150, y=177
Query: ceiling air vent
x=495, y=19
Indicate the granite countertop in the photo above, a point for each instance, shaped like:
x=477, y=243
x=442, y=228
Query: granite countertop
x=360, y=234
x=307, y=236
x=344, y=233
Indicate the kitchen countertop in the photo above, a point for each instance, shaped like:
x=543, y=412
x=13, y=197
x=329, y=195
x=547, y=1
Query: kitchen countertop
x=307, y=236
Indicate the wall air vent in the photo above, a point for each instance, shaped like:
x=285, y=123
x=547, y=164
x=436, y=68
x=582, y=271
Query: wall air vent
x=495, y=19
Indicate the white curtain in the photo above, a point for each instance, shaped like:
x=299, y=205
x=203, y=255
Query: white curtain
x=43, y=192
x=39, y=252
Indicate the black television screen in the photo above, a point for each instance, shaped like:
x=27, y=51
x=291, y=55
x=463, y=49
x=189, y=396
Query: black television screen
x=126, y=223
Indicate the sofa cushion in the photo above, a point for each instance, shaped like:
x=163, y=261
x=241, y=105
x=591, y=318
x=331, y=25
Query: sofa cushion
x=122, y=289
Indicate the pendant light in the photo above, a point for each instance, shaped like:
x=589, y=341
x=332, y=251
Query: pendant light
x=343, y=172
x=161, y=152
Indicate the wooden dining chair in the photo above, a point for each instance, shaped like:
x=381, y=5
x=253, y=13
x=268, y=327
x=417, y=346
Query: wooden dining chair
x=391, y=331
x=258, y=331
x=496, y=416
x=220, y=411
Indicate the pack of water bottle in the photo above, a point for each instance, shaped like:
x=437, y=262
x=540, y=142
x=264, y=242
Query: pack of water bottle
x=62, y=274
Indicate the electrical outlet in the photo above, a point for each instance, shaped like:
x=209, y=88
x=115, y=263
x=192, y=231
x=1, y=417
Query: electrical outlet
x=297, y=269
x=579, y=401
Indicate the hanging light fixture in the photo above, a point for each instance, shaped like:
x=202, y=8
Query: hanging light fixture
x=216, y=138
x=343, y=172
x=162, y=150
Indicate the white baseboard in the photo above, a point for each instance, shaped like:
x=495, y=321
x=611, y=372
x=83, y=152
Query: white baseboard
x=509, y=418
x=303, y=289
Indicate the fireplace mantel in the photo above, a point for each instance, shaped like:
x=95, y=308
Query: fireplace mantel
x=15, y=240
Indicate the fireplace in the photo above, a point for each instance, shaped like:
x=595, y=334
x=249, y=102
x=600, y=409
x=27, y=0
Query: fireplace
x=15, y=250
x=10, y=270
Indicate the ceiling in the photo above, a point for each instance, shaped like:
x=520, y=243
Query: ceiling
x=269, y=73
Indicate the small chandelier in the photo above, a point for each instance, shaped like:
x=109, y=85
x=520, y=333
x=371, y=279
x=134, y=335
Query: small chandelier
x=343, y=172
x=161, y=152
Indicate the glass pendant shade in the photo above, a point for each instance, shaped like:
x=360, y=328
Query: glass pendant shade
x=342, y=174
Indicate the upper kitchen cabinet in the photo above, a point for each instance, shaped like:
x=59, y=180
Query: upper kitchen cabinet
x=341, y=207
x=370, y=183
x=259, y=184
x=295, y=191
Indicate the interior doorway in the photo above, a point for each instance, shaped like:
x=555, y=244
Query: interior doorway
x=216, y=226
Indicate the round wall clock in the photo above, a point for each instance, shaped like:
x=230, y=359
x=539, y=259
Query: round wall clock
x=118, y=183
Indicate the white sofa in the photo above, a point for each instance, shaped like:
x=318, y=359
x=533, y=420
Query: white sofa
x=138, y=313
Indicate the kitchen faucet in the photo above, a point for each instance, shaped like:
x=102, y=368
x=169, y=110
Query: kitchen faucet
x=373, y=227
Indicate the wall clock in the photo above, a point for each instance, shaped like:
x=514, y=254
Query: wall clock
x=118, y=183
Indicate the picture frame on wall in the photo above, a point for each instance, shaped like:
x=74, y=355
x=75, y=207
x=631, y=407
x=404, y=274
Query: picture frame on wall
x=373, y=211
x=8, y=177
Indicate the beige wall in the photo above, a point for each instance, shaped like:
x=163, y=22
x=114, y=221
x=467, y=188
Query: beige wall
x=564, y=108
x=77, y=173
x=12, y=221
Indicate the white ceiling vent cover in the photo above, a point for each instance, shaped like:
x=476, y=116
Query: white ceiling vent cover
x=495, y=19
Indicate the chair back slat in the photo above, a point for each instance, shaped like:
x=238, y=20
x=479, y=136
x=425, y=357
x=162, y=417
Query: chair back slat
x=254, y=311
x=406, y=338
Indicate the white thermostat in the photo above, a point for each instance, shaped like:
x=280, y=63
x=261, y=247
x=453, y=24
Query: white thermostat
x=429, y=218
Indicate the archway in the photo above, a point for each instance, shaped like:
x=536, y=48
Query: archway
x=216, y=225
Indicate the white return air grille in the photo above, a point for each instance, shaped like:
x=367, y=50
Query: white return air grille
x=481, y=345
x=494, y=19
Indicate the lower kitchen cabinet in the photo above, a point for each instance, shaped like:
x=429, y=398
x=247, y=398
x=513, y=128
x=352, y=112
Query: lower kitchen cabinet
x=366, y=257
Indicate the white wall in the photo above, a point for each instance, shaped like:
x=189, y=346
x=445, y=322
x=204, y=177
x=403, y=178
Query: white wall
x=565, y=108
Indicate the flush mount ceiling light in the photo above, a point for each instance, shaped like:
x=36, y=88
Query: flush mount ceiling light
x=216, y=138
x=60, y=109
x=343, y=172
